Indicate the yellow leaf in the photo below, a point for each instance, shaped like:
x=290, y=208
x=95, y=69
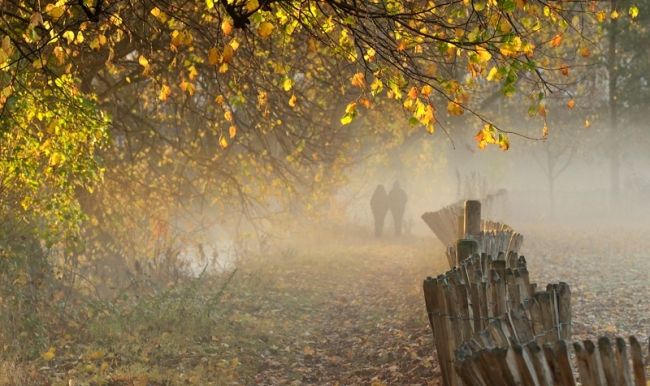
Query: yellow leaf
x=634, y=11
x=429, y=115
x=213, y=56
x=351, y=108
x=504, y=142
x=265, y=29
x=545, y=131
x=80, y=37
x=223, y=142
x=49, y=354
x=492, y=74
x=262, y=97
x=56, y=159
x=209, y=4
x=376, y=86
x=226, y=27
x=483, y=55
x=426, y=90
x=228, y=116
x=252, y=5
x=614, y=14
x=187, y=87
x=232, y=131
x=192, y=73
x=158, y=14
x=144, y=63
x=59, y=54
x=585, y=52
x=219, y=99
x=69, y=36
x=293, y=101
x=358, y=80
x=287, y=84
x=453, y=108
x=165, y=92
x=55, y=11
x=228, y=53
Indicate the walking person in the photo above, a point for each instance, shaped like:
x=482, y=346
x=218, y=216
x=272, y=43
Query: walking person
x=397, y=203
x=379, y=207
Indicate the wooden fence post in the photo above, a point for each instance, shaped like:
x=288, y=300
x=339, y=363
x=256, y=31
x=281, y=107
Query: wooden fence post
x=472, y=218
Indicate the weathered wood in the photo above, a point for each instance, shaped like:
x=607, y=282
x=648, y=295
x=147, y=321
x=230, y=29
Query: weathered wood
x=483, y=301
x=472, y=218
x=622, y=363
x=637, y=362
x=523, y=280
x=476, y=307
x=464, y=249
x=596, y=363
x=525, y=367
x=607, y=358
x=542, y=369
x=465, y=326
x=460, y=228
x=564, y=307
x=563, y=369
x=469, y=373
x=503, y=358
x=585, y=365
x=521, y=324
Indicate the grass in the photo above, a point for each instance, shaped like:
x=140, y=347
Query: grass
x=336, y=308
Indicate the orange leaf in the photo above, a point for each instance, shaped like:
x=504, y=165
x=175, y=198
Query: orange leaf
x=571, y=104
x=413, y=93
x=358, y=80
x=564, y=70
x=556, y=41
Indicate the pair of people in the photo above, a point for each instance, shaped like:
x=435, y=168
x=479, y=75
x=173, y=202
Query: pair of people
x=381, y=202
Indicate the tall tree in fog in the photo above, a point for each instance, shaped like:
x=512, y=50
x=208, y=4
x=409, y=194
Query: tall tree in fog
x=627, y=63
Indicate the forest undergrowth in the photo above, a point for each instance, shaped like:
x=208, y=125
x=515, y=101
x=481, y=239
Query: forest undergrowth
x=333, y=308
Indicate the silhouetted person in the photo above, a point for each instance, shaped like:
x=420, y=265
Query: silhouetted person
x=379, y=206
x=397, y=203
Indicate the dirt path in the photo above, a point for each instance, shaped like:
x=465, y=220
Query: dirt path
x=362, y=319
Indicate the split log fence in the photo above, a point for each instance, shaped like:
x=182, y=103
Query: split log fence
x=491, y=326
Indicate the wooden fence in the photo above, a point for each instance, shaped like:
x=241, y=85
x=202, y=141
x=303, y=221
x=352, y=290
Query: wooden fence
x=491, y=326
x=457, y=222
x=605, y=363
x=484, y=303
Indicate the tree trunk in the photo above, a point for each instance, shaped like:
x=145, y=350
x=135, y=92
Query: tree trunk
x=612, y=69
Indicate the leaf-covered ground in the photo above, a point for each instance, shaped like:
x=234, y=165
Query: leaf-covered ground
x=608, y=269
x=340, y=308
